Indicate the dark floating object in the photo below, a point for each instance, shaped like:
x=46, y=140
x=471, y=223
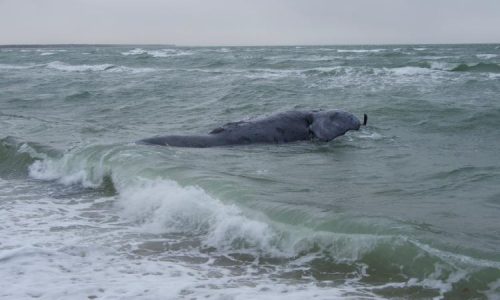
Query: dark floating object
x=280, y=128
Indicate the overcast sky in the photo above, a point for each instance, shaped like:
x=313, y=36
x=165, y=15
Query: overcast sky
x=249, y=22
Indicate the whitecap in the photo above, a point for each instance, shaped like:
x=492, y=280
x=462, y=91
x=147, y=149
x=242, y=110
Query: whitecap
x=165, y=206
x=136, y=51
x=271, y=73
x=223, y=50
x=168, y=53
x=57, y=65
x=316, y=58
x=486, y=56
x=130, y=69
x=408, y=71
x=360, y=50
x=157, y=53
x=51, y=50
x=15, y=67
x=371, y=136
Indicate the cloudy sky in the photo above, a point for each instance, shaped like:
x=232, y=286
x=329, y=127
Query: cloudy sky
x=249, y=22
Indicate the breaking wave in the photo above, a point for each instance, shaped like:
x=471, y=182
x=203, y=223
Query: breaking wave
x=486, y=56
x=360, y=50
x=157, y=53
x=480, y=67
x=60, y=66
x=57, y=65
x=159, y=205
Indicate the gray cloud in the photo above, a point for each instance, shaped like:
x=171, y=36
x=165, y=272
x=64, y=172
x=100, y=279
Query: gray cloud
x=243, y=22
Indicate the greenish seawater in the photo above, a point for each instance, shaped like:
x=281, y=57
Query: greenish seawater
x=406, y=208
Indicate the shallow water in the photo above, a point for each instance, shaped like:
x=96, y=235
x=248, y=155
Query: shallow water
x=407, y=207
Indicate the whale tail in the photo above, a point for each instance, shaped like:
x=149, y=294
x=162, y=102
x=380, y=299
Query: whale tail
x=365, y=119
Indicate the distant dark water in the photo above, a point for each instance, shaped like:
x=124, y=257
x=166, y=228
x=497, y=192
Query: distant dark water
x=408, y=207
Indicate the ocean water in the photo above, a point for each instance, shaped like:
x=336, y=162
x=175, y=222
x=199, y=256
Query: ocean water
x=406, y=208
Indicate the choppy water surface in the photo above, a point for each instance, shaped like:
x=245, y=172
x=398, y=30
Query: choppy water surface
x=408, y=207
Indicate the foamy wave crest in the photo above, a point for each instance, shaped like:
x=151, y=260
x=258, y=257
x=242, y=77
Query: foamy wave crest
x=271, y=74
x=486, y=56
x=161, y=205
x=157, y=53
x=51, y=50
x=223, y=50
x=57, y=65
x=360, y=50
x=80, y=167
x=408, y=71
x=136, y=51
x=130, y=69
x=55, y=170
x=15, y=67
x=165, y=206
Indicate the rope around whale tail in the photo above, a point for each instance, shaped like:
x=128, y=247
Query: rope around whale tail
x=365, y=119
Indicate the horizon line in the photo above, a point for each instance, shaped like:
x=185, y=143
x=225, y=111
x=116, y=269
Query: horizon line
x=222, y=45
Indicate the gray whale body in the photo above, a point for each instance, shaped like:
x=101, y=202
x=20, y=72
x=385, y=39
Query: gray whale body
x=280, y=128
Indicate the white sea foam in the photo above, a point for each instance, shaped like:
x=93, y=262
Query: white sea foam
x=486, y=56
x=285, y=58
x=47, y=53
x=51, y=170
x=93, y=273
x=160, y=207
x=163, y=206
x=223, y=50
x=15, y=67
x=57, y=65
x=131, y=70
x=49, y=240
x=409, y=71
x=271, y=73
x=371, y=136
x=87, y=251
x=51, y=50
x=136, y=51
x=316, y=58
x=157, y=53
x=360, y=50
